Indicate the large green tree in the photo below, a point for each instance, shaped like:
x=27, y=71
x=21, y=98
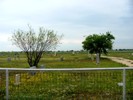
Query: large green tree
x=98, y=43
x=34, y=44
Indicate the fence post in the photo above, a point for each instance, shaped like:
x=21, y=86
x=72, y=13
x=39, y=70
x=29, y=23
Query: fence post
x=124, y=84
x=7, y=84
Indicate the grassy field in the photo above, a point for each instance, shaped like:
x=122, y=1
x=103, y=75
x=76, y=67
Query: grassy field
x=78, y=60
x=68, y=85
x=58, y=85
x=124, y=54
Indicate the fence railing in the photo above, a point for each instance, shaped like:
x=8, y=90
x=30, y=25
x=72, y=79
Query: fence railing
x=67, y=83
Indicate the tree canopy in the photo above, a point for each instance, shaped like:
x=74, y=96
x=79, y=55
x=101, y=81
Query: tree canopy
x=98, y=43
x=35, y=44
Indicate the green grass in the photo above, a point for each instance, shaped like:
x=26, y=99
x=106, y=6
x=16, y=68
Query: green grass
x=57, y=85
x=124, y=54
x=79, y=60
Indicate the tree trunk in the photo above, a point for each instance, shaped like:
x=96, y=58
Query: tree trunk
x=37, y=59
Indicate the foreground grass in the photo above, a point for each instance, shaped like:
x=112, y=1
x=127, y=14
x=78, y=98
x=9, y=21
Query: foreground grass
x=70, y=85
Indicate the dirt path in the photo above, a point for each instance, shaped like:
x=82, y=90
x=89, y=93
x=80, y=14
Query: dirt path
x=127, y=62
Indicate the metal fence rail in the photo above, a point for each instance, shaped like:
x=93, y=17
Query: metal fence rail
x=67, y=84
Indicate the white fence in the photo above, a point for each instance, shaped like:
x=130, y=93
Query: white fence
x=67, y=83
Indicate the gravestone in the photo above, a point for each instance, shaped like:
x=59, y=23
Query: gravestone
x=15, y=56
x=92, y=57
x=97, y=58
x=17, y=79
x=88, y=54
x=120, y=84
x=9, y=59
x=73, y=52
x=18, y=57
x=61, y=58
x=42, y=66
x=55, y=53
x=33, y=72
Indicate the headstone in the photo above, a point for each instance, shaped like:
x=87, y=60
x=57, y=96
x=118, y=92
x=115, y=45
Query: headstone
x=92, y=57
x=73, y=52
x=33, y=67
x=33, y=72
x=9, y=59
x=18, y=57
x=120, y=84
x=17, y=79
x=42, y=66
x=55, y=53
x=15, y=56
x=97, y=58
x=1, y=54
x=88, y=54
x=61, y=58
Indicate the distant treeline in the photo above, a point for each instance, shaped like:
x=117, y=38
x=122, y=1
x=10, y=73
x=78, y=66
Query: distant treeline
x=123, y=49
x=60, y=51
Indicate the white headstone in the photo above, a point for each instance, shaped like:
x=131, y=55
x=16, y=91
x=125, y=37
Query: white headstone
x=17, y=79
x=33, y=72
x=9, y=59
x=97, y=58
x=92, y=57
x=55, y=53
x=73, y=53
x=120, y=84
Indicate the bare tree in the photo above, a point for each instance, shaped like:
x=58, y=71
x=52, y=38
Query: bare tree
x=35, y=44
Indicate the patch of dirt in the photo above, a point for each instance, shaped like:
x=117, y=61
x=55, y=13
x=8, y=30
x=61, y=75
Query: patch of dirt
x=127, y=62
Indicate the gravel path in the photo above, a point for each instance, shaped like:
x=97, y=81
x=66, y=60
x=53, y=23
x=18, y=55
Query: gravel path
x=127, y=62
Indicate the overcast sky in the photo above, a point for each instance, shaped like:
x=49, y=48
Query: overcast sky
x=75, y=19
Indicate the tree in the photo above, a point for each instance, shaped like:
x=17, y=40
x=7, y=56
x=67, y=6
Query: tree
x=35, y=44
x=98, y=43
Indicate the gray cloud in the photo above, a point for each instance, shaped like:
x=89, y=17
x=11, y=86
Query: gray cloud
x=73, y=19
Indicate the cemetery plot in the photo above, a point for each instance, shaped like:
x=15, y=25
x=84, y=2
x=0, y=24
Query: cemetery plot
x=64, y=85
